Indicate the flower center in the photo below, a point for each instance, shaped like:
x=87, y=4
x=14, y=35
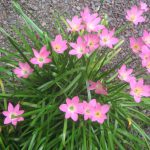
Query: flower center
x=72, y=108
x=138, y=91
x=80, y=50
x=148, y=65
x=13, y=116
x=75, y=27
x=41, y=59
x=87, y=111
x=99, y=86
x=91, y=44
x=98, y=114
x=25, y=72
x=57, y=47
x=124, y=76
x=136, y=46
x=90, y=26
x=105, y=40
x=132, y=18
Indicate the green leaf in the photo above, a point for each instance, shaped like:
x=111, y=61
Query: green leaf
x=26, y=18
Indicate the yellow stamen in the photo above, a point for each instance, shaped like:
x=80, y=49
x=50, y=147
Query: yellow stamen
x=98, y=114
x=136, y=46
x=105, y=40
x=57, y=47
x=132, y=18
x=148, y=65
x=75, y=27
x=91, y=43
x=138, y=91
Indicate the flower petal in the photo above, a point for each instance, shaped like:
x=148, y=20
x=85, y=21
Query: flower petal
x=63, y=107
x=5, y=113
x=74, y=117
x=7, y=120
x=10, y=107
x=105, y=108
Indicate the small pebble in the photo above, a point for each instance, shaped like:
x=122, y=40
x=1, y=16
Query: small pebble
x=78, y=8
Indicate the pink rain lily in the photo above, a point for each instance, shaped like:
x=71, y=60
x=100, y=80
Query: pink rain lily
x=71, y=108
x=79, y=48
x=98, y=87
x=91, y=21
x=143, y=6
x=85, y=14
x=75, y=24
x=138, y=89
x=99, y=113
x=92, y=41
x=147, y=65
x=145, y=54
x=59, y=45
x=146, y=38
x=87, y=108
x=41, y=57
x=136, y=44
x=135, y=15
x=23, y=71
x=124, y=74
x=13, y=114
x=107, y=38
x=92, y=24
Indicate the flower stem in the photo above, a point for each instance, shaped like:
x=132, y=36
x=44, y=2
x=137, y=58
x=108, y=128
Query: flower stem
x=72, y=140
x=64, y=132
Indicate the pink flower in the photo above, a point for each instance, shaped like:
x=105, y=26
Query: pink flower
x=135, y=15
x=143, y=6
x=145, y=54
x=13, y=114
x=138, y=89
x=146, y=38
x=92, y=41
x=79, y=48
x=136, y=44
x=23, y=71
x=75, y=24
x=85, y=14
x=124, y=73
x=98, y=87
x=59, y=45
x=107, y=38
x=71, y=108
x=41, y=57
x=148, y=65
x=91, y=21
x=99, y=113
x=87, y=108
